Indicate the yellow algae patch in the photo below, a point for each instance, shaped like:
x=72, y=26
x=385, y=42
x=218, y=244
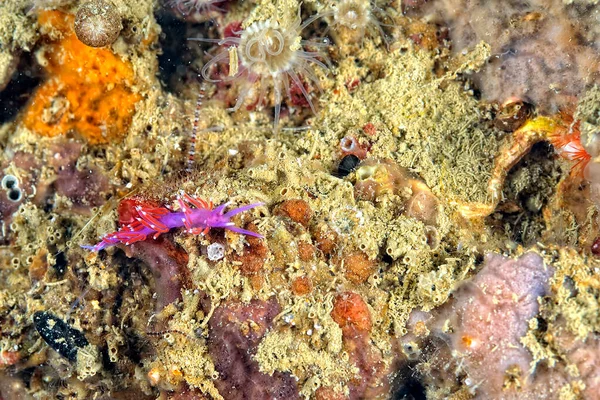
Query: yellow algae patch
x=88, y=90
x=285, y=351
x=576, y=285
x=183, y=358
x=426, y=123
x=182, y=355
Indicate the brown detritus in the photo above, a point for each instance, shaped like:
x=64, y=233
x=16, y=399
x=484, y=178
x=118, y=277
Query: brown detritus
x=326, y=239
x=254, y=255
x=375, y=178
x=596, y=247
x=306, y=251
x=39, y=265
x=357, y=267
x=168, y=264
x=301, y=286
x=512, y=114
x=97, y=23
x=297, y=210
x=423, y=204
x=351, y=313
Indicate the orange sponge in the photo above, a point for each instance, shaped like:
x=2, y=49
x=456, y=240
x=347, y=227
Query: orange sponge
x=351, y=312
x=88, y=89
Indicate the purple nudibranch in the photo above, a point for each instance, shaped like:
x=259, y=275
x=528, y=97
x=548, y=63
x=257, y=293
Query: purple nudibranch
x=196, y=216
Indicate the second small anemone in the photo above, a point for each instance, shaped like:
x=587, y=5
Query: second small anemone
x=186, y=7
x=353, y=20
x=268, y=51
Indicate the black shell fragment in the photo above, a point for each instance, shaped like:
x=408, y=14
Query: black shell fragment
x=59, y=335
x=347, y=165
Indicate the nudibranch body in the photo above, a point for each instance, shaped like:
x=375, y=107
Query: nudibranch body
x=195, y=215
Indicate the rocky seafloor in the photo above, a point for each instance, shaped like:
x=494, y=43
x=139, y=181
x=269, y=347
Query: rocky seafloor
x=424, y=181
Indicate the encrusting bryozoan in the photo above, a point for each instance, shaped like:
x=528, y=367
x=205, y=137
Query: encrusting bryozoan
x=267, y=50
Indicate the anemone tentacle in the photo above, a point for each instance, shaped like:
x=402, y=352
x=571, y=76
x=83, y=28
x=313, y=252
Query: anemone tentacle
x=268, y=51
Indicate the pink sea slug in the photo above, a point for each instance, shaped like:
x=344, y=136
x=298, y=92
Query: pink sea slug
x=196, y=215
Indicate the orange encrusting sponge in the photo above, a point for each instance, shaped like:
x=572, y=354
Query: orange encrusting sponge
x=88, y=89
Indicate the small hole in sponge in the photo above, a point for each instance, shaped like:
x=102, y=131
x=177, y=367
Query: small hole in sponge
x=15, y=195
x=9, y=182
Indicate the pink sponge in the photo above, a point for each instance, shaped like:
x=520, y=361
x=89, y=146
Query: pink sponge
x=236, y=329
x=491, y=314
x=476, y=337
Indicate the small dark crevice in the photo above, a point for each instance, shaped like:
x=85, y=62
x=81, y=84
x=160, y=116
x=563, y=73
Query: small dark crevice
x=60, y=266
x=177, y=52
x=408, y=386
x=173, y=44
x=19, y=89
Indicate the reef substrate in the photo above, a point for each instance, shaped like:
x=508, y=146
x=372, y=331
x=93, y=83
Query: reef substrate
x=422, y=238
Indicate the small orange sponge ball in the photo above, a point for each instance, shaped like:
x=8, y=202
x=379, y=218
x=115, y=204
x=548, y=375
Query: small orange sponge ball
x=351, y=312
